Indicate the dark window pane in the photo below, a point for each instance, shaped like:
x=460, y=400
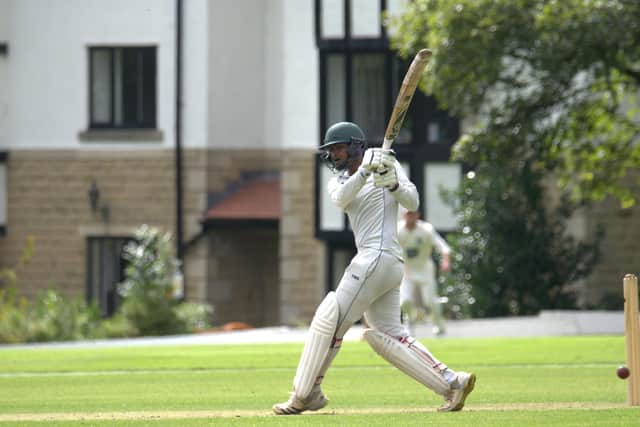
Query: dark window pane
x=130, y=86
x=149, y=87
x=368, y=92
x=117, y=87
x=336, y=88
x=106, y=270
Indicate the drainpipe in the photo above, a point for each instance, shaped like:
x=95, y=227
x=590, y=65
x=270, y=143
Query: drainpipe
x=178, y=137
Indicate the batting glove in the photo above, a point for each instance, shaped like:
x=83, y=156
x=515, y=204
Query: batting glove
x=370, y=160
x=386, y=178
x=387, y=158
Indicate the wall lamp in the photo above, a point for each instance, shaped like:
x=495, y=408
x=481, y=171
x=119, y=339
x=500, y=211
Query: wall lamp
x=94, y=202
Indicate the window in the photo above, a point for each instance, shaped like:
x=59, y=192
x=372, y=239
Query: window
x=122, y=87
x=105, y=269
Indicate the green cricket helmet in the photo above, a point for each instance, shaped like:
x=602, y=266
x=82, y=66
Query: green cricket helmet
x=343, y=133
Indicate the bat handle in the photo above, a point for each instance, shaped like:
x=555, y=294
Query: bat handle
x=386, y=144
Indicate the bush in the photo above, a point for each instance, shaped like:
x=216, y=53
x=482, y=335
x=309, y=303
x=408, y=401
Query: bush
x=193, y=317
x=117, y=326
x=51, y=317
x=148, y=292
x=149, y=304
x=513, y=252
x=54, y=317
x=13, y=321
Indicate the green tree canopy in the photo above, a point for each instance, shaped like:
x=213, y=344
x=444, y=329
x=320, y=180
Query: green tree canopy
x=559, y=77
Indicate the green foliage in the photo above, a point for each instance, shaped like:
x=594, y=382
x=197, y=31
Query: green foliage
x=118, y=326
x=50, y=317
x=54, y=317
x=148, y=290
x=149, y=306
x=513, y=253
x=548, y=91
x=13, y=322
x=193, y=316
x=561, y=75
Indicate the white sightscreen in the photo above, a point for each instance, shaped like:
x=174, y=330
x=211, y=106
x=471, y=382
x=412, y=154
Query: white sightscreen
x=440, y=176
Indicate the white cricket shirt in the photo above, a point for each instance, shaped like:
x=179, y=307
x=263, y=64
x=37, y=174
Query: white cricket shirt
x=418, y=244
x=373, y=212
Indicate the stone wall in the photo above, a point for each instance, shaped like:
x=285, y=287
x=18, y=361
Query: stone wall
x=620, y=249
x=194, y=202
x=299, y=287
x=227, y=166
x=48, y=199
x=244, y=280
x=301, y=255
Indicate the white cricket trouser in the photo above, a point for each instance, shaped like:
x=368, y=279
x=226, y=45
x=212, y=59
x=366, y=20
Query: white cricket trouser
x=421, y=290
x=370, y=287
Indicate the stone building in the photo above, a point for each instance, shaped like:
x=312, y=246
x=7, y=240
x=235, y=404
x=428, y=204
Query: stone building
x=202, y=118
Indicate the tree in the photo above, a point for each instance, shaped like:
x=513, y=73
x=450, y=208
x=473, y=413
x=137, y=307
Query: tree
x=149, y=289
x=548, y=89
x=561, y=75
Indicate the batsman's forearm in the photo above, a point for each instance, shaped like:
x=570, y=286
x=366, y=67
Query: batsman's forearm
x=407, y=195
x=343, y=194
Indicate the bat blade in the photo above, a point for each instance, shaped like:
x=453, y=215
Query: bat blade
x=403, y=100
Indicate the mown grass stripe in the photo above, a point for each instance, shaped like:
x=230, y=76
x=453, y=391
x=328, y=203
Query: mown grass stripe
x=151, y=415
x=271, y=369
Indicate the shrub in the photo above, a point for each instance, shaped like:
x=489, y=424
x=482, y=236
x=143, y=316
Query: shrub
x=55, y=317
x=193, y=316
x=149, y=304
x=513, y=252
x=148, y=290
x=13, y=322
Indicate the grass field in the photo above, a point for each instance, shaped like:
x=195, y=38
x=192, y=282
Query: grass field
x=521, y=382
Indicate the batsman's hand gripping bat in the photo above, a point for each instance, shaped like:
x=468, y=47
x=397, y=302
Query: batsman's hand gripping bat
x=409, y=84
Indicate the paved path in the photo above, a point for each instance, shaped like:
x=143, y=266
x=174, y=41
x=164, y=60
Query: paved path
x=548, y=323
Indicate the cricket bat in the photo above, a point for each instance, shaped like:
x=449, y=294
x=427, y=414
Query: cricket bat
x=408, y=88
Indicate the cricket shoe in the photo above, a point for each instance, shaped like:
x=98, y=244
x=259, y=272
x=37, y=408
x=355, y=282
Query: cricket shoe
x=316, y=400
x=455, y=400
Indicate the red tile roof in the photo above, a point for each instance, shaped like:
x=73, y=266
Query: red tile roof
x=257, y=199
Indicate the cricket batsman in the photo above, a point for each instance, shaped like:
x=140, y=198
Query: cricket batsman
x=369, y=188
